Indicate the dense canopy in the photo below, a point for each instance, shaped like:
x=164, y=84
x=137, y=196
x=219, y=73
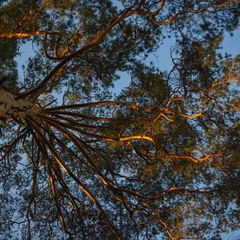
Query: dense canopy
x=80, y=159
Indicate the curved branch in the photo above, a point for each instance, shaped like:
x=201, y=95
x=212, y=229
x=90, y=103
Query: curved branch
x=195, y=160
x=128, y=138
x=34, y=93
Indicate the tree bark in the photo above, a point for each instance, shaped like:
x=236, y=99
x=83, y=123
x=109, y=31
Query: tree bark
x=15, y=109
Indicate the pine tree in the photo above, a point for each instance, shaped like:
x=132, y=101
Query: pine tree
x=160, y=159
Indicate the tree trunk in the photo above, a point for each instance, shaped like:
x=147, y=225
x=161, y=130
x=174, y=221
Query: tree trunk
x=15, y=109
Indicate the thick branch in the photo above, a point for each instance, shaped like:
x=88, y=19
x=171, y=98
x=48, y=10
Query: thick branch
x=20, y=34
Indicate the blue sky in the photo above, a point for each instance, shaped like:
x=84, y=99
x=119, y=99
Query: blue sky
x=231, y=45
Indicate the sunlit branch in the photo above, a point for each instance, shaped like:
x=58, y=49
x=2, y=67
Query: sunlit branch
x=77, y=142
x=33, y=94
x=58, y=126
x=168, y=118
x=192, y=116
x=53, y=188
x=44, y=47
x=195, y=160
x=57, y=171
x=160, y=219
x=174, y=18
x=76, y=123
x=72, y=137
x=20, y=34
x=128, y=138
x=56, y=56
x=76, y=179
x=80, y=144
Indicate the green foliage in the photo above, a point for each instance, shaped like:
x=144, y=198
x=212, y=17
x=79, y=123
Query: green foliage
x=8, y=66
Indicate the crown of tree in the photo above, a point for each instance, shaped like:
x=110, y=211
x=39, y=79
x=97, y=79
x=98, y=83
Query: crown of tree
x=82, y=160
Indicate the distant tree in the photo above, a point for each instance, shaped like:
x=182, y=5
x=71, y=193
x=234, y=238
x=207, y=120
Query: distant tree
x=160, y=159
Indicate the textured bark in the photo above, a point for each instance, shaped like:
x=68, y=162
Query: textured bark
x=12, y=108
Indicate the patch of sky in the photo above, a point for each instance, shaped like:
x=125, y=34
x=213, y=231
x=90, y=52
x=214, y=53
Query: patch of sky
x=231, y=43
